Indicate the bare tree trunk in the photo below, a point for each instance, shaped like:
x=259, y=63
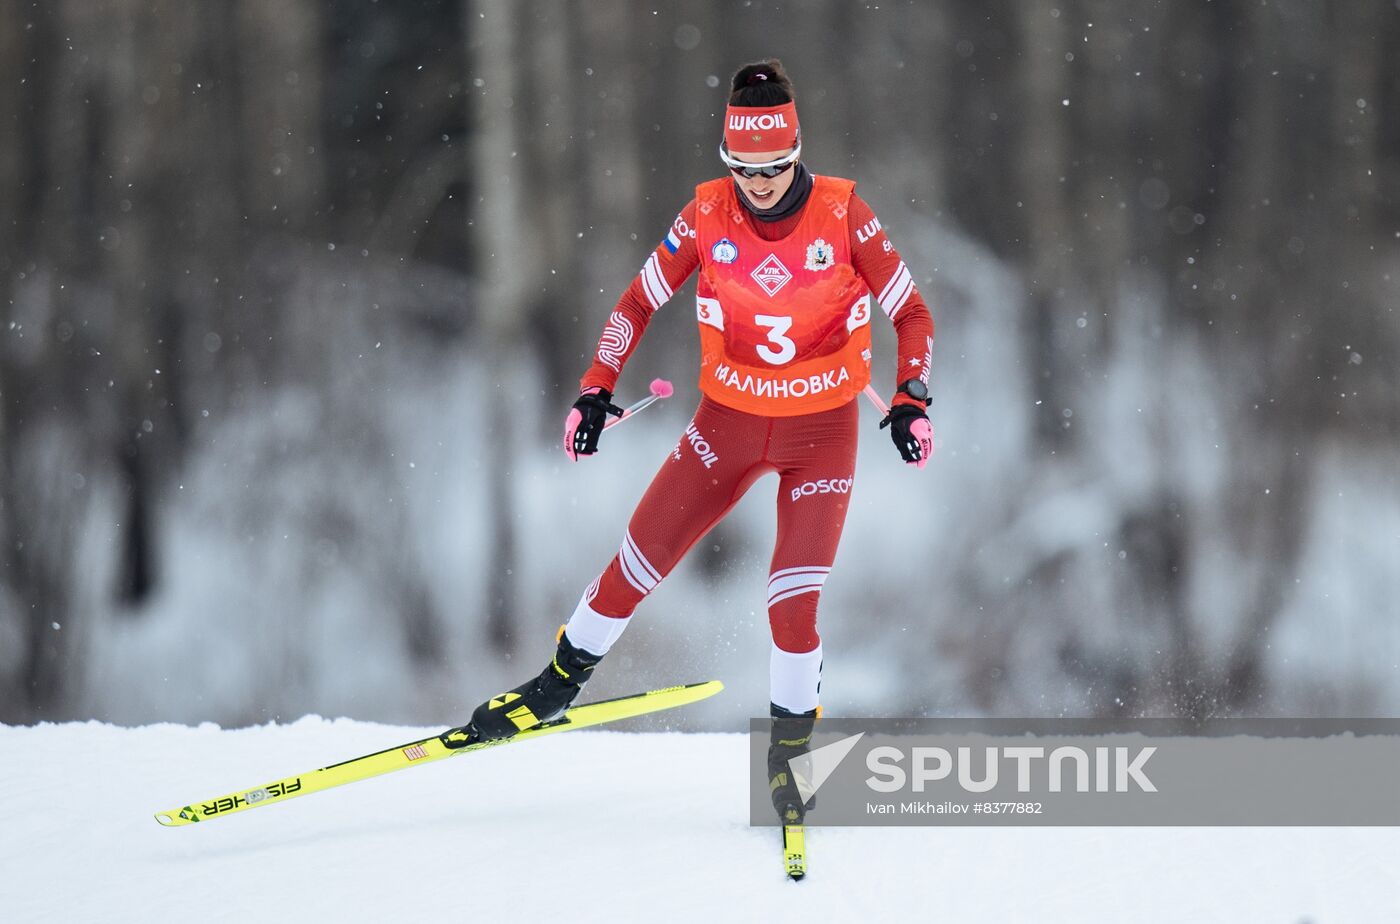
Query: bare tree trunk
x=36, y=560
x=1273, y=475
x=1042, y=169
x=501, y=252
x=131, y=86
x=612, y=178
x=14, y=137
x=561, y=317
x=281, y=79
x=13, y=174
x=921, y=107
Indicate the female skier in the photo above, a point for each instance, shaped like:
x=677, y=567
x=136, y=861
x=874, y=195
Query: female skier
x=788, y=262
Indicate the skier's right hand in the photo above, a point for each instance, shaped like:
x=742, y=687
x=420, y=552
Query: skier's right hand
x=585, y=421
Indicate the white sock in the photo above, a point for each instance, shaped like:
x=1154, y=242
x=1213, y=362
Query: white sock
x=795, y=678
x=591, y=630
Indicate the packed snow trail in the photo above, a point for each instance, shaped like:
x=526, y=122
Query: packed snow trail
x=590, y=826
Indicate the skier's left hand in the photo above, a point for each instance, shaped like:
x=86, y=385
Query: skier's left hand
x=912, y=433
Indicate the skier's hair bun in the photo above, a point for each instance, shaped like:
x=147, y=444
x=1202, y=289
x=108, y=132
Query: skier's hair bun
x=761, y=85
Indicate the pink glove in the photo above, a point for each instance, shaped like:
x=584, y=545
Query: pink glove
x=911, y=432
x=922, y=431
x=570, y=428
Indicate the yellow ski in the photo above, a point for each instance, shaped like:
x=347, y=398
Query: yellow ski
x=448, y=744
x=794, y=851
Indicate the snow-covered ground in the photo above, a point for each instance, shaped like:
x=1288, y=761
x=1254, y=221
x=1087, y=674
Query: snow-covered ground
x=590, y=826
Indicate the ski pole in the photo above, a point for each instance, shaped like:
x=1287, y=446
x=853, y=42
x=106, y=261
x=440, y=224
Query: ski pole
x=876, y=400
x=925, y=439
x=660, y=388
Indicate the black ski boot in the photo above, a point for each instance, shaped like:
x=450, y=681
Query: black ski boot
x=791, y=736
x=538, y=700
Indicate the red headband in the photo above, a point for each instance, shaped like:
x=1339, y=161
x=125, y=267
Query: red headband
x=748, y=130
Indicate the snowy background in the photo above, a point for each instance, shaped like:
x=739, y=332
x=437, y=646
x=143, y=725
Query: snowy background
x=294, y=297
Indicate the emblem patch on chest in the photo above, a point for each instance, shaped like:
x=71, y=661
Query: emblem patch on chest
x=771, y=275
x=819, y=255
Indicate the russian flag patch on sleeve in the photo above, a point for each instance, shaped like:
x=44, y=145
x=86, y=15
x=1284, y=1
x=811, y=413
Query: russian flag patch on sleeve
x=672, y=242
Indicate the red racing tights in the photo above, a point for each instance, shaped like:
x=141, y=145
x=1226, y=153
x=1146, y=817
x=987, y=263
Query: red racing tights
x=721, y=454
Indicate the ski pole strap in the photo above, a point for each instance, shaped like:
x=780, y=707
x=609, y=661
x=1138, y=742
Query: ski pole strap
x=602, y=400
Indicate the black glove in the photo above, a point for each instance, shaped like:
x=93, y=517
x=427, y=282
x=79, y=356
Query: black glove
x=901, y=419
x=585, y=422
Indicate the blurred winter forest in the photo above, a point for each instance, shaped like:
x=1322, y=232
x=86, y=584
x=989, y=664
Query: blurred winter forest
x=295, y=294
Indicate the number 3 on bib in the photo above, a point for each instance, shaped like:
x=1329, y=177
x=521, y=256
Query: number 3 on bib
x=778, y=325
